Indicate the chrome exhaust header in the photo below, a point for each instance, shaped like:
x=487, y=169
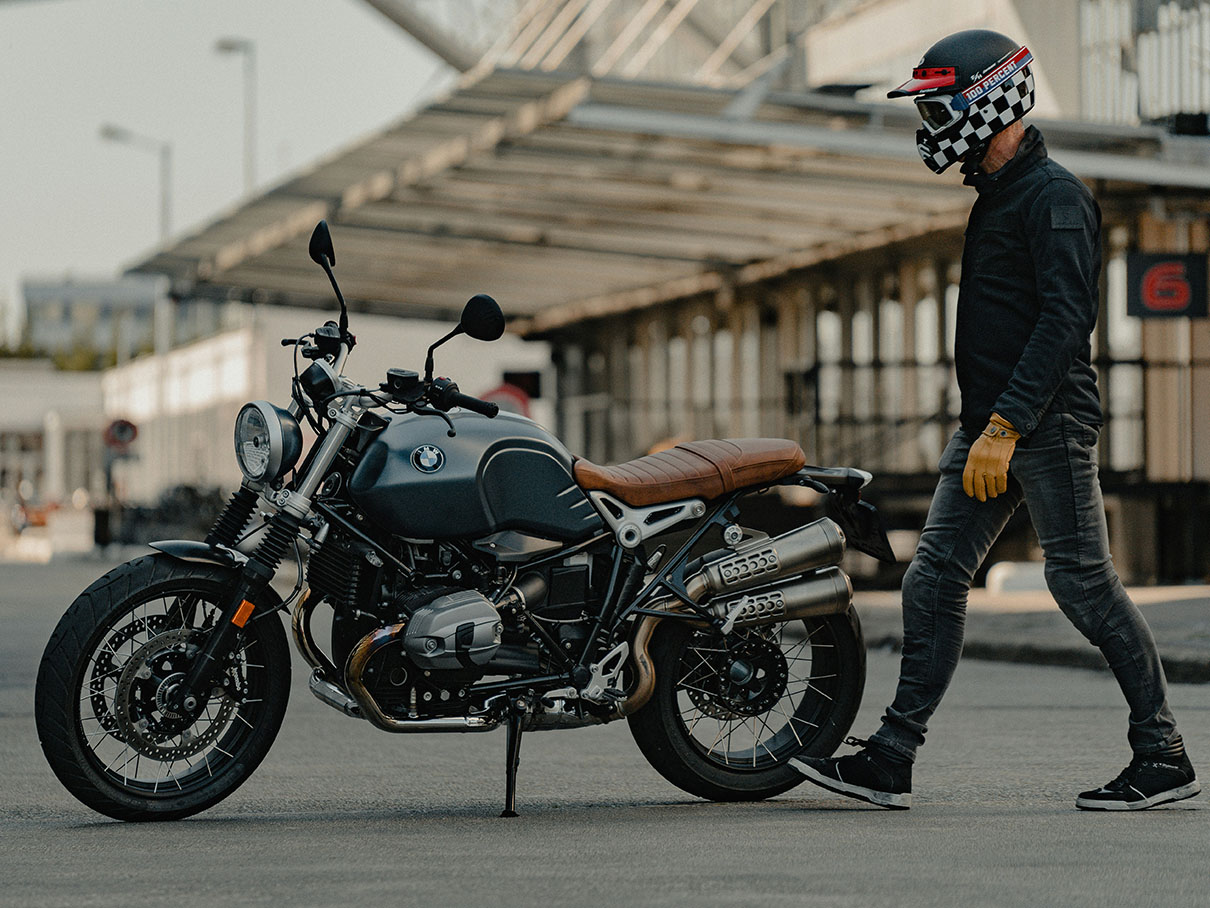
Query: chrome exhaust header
x=327, y=692
x=354, y=670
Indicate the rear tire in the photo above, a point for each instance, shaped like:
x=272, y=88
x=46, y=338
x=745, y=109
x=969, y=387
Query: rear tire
x=98, y=702
x=799, y=704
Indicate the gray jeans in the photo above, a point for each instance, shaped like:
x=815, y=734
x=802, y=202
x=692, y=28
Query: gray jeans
x=1054, y=472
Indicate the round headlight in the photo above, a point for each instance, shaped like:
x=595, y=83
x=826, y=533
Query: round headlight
x=267, y=441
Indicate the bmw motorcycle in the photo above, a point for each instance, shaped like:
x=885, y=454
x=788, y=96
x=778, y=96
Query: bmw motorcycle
x=476, y=574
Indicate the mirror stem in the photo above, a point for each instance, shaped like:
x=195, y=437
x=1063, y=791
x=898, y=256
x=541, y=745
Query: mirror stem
x=344, y=310
x=428, y=362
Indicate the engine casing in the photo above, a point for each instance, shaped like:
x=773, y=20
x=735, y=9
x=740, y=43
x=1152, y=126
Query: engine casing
x=457, y=630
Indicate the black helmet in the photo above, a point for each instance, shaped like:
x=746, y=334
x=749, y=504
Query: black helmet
x=968, y=87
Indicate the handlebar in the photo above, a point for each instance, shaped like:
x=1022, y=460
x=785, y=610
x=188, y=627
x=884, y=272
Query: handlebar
x=484, y=407
x=444, y=394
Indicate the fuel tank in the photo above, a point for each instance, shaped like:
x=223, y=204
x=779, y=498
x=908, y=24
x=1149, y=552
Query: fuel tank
x=506, y=473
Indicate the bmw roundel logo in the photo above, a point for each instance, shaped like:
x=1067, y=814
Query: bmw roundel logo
x=428, y=459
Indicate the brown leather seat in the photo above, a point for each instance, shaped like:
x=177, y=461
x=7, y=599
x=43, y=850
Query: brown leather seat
x=694, y=469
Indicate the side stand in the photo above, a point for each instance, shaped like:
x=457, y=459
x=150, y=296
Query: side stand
x=517, y=710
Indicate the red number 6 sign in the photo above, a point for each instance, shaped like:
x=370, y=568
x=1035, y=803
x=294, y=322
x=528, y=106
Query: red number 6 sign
x=1163, y=285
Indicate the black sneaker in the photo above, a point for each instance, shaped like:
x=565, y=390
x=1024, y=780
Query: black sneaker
x=1148, y=780
x=866, y=775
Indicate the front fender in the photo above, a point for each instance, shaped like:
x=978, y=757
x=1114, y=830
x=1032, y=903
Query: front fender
x=189, y=550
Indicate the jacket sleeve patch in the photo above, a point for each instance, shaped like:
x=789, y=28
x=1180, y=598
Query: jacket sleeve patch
x=1066, y=217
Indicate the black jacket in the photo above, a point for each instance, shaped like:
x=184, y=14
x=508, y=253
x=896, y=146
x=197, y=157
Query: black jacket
x=1028, y=297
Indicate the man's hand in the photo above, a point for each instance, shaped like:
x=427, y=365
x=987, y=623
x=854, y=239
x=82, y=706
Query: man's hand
x=986, y=473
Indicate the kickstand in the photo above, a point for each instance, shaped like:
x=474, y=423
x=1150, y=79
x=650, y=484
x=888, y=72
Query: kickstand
x=516, y=715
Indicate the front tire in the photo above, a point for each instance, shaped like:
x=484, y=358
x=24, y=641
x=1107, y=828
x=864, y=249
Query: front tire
x=99, y=702
x=728, y=713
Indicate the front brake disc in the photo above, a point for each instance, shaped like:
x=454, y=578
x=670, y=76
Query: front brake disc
x=140, y=701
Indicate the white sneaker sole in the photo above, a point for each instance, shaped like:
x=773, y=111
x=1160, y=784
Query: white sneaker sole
x=1164, y=797
x=869, y=795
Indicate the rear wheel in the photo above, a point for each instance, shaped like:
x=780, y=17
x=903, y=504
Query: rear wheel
x=729, y=712
x=101, y=699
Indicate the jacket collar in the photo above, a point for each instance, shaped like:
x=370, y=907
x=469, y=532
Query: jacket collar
x=1030, y=153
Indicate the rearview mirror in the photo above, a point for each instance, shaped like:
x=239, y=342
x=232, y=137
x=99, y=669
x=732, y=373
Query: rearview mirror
x=320, y=248
x=482, y=318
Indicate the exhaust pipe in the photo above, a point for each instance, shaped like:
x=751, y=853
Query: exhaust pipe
x=304, y=640
x=762, y=561
x=327, y=692
x=358, y=659
x=827, y=592
x=757, y=563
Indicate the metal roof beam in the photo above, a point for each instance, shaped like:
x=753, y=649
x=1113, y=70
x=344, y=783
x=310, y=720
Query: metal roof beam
x=445, y=45
x=867, y=142
x=717, y=37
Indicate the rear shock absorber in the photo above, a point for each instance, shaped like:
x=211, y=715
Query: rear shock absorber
x=235, y=517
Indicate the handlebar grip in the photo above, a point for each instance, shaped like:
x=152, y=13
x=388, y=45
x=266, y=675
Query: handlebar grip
x=466, y=402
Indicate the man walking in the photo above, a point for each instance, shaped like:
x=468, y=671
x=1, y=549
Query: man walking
x=1027, y=304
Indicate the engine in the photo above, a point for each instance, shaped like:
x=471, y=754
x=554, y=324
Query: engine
x=415, y=641
x=460, y=630
x=425, y=665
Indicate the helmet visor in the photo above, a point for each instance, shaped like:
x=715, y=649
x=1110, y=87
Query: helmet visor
x=936, y=112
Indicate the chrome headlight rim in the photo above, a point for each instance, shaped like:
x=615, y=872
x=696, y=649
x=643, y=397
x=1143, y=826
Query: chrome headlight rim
x=285, y=441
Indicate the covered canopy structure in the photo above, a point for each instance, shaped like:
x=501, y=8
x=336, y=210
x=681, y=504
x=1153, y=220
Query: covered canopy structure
x=560, y=195
x=713, y=262
x=567, y=197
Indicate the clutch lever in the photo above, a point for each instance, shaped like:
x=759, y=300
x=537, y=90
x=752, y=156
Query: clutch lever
x=429, y=411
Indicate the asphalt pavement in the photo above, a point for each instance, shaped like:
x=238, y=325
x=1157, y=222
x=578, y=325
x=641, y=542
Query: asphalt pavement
x=342, y=814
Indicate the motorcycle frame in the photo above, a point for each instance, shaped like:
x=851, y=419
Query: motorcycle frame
x=298, y=506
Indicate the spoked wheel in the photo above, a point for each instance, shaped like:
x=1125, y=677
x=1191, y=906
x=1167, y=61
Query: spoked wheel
x=728, y=712
x=102, y=699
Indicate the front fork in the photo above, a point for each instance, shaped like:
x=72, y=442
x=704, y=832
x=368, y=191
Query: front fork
x=209, y=664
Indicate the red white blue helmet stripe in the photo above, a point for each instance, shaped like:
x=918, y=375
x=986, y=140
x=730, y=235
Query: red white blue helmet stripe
x=999, y=74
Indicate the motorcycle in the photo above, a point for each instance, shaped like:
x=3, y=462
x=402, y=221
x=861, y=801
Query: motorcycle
x=478, y=575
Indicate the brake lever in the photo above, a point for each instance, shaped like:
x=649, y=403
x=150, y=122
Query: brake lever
x=429, y=411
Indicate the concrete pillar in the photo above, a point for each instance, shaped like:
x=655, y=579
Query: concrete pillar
x=617, y=363
x=54, y=457
x=1168, y=453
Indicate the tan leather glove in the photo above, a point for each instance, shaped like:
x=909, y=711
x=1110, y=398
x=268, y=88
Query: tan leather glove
x=986, y=473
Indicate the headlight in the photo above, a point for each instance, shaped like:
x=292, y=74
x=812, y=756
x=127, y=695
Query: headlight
x=267, y=441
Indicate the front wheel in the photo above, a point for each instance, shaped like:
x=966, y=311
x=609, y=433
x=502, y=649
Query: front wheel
x=101, y=697
x=729, y=712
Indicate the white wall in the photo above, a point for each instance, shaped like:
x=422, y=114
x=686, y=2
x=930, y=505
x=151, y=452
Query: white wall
x=50, y=430
x=185, y=402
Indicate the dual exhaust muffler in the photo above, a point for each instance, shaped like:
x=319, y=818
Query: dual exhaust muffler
x=744, y=588
x=759, y=562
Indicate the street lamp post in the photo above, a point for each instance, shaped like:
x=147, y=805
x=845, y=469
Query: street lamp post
x=247, y=49
x=162, y=315
x=163, y=149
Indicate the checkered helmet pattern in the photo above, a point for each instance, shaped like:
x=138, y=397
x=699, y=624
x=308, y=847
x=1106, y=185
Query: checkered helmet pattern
x=987, y=115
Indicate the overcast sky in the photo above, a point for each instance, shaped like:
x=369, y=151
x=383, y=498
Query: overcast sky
x=329, y=72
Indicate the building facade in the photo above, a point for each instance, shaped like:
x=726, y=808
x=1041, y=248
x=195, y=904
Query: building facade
x=721, y=228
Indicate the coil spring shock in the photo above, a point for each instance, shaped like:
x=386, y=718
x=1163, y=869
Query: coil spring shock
x=235, y=517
